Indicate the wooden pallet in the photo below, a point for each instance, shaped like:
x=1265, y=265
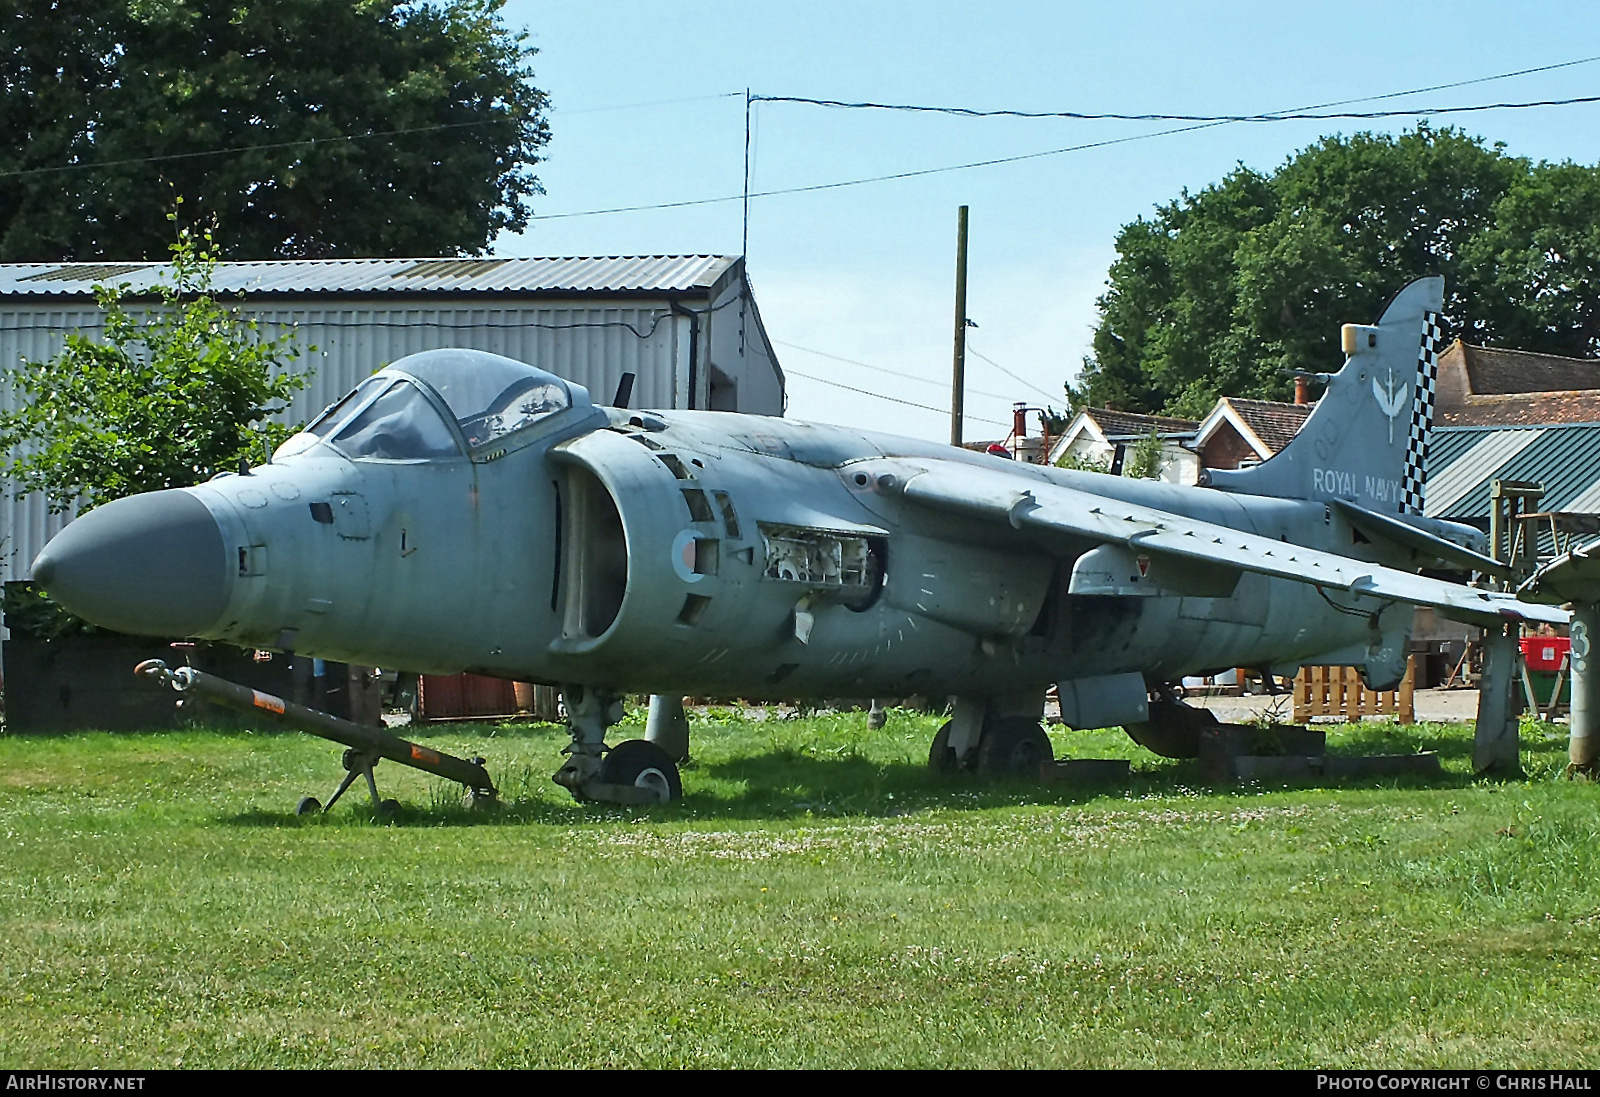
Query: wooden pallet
x=1337, y=691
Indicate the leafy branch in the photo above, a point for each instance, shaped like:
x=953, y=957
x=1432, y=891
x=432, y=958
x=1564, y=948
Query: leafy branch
x=176, y=391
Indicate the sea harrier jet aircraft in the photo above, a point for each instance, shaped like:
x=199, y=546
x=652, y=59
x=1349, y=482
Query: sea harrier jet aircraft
x=460, y=511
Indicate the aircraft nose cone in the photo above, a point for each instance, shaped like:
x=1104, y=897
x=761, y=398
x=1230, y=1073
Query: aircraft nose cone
x=152, y=565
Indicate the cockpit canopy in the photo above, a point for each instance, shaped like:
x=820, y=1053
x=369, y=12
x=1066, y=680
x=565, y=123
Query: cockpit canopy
x=404, y=411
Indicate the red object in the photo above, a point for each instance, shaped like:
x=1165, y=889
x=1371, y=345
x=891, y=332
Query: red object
x=998, y=450
x=464, y=697
x=1545, y=652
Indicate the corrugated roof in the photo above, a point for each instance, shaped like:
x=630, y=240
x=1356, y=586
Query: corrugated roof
x=607, y=274
x=1463, y=460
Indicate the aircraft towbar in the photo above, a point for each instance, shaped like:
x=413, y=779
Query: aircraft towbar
x=367, y=744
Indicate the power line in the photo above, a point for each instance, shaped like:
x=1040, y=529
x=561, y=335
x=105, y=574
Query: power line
x=1284, y=116
x=1269, y=116
x=1454, y=84
x=1220, y=121
x=651, y=103
x=871, y=178
x=891, y=399
x=885, y=369
x=1087, y=145
x=1009, y=374
x=308, y=142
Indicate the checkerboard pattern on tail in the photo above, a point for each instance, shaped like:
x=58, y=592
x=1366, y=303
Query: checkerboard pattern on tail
x=1416, y=467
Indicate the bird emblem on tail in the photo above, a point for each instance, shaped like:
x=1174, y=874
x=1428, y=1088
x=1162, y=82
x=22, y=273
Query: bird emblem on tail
x=1391, y=396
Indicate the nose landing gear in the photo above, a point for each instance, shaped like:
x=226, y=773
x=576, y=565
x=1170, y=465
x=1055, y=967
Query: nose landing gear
x=636, y=771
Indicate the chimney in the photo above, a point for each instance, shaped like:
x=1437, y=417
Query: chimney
x=1302, y=389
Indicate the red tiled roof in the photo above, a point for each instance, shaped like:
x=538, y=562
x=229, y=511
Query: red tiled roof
x=1489, y=386
x=1132, y=424
x=1274, y=423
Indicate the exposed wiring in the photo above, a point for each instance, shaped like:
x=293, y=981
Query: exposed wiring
x=1349, y=610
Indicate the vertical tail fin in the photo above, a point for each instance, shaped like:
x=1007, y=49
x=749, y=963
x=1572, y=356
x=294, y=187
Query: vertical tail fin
x=1367, y=439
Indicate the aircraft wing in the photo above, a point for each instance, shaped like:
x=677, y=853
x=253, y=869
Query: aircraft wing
x=1571, y=577
x=1053, y=510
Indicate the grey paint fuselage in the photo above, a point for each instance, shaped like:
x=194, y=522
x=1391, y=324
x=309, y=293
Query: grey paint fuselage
x=455, y=564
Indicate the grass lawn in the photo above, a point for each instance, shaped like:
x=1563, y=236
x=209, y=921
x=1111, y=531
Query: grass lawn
x=817, y=899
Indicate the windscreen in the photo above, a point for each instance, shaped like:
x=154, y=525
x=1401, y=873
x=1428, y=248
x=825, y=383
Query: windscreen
x=400, y=425
x=490, y=396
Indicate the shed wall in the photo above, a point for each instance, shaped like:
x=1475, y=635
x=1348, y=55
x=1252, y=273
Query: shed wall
x=589, y=342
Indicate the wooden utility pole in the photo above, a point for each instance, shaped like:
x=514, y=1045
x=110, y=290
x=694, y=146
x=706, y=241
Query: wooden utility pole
x=958, y=381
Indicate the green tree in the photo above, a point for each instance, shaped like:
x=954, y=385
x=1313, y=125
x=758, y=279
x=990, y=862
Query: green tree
x=299, y=128
x=1226, y=291
x=1144, y=460
x=1541, y=258
x=179, y=389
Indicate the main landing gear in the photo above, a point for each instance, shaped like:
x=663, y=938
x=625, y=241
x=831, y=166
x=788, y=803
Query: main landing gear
x=636, y=771
x=1005, y=744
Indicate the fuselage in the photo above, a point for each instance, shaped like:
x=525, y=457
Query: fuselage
x=691, y=567
x=694, y=552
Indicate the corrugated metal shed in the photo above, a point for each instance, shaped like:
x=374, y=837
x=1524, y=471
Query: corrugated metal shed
x=685, y=325
x=648, y=274
x=1462, y=461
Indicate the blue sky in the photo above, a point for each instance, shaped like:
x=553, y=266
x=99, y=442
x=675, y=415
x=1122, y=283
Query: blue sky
x=648, y=107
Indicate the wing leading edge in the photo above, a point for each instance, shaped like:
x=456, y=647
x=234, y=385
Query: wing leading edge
x=1054, y=510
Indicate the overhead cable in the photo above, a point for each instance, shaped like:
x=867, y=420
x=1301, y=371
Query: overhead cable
x=945, y=384
x=307, y=142
x=891, y=399
x=1008, y=373
x=1286, y=116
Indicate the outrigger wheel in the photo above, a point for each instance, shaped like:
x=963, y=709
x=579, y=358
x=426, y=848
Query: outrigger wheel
x=941, y=757
x=1174, y=729
x=645, y=766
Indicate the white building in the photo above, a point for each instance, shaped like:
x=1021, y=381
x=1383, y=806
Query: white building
x=1105, y=437
x=685, y=325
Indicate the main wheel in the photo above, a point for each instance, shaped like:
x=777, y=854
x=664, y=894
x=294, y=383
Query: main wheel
x=1013, y=746
x=642, y=764
x=308, y=806
x=941, y=758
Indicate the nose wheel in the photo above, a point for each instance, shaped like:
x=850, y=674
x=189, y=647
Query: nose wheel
x=640, y=764
x=636, y=771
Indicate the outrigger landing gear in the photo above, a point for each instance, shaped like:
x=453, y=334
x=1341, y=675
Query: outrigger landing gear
x=1174, y=728
x=357, y=763
x=633, y=772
